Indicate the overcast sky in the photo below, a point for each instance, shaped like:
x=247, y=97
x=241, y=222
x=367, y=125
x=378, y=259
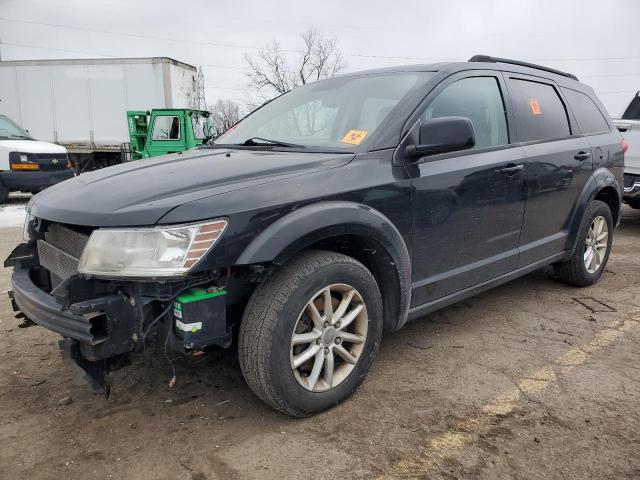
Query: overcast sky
x=598, y=40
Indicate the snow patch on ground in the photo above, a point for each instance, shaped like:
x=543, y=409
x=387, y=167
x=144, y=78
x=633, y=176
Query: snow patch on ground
x=12, y=215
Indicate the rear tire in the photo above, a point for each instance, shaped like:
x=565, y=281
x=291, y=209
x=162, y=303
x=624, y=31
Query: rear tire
x=589, y=259
x=296, y=314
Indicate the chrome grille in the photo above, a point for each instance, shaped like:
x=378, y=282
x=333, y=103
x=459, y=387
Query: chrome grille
x=60, y=252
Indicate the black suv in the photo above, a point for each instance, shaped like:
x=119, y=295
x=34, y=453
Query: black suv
x=335, y=212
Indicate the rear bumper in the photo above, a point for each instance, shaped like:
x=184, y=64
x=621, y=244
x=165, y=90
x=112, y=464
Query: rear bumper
x=631, y=188
x=33, y=181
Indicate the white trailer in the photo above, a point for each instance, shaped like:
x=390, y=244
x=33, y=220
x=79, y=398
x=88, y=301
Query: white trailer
x=82, y=104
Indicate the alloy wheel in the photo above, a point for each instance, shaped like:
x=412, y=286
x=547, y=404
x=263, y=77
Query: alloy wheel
x=596, y=244
x=329, y=337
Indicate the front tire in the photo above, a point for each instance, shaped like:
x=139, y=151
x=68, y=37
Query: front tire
x=310, y=332
x=589, y=259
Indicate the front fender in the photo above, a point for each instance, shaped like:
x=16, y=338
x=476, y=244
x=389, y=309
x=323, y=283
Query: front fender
x=313, y=223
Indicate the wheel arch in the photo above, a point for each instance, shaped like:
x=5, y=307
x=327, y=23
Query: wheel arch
x=602, y=185
x=346, y=227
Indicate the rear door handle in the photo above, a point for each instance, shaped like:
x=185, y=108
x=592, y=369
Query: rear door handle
x=511, y=170
x=580, y=156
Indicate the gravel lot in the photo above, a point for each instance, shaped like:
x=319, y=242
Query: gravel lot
x=531, y=380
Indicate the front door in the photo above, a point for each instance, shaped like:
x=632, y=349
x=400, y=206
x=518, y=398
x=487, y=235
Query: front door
x=167, y=135
x=469, y=205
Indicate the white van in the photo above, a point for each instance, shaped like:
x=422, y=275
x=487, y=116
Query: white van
x=26, y=164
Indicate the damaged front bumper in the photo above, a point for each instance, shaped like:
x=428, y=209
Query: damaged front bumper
x=103, y=322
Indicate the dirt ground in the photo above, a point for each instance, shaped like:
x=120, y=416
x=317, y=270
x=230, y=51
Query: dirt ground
x=532, y=380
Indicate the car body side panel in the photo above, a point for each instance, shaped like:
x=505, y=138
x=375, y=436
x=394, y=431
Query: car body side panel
x=369, y=179
x=554, y=182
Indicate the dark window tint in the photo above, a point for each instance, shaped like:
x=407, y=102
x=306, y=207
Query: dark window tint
x=588, y=115
x=633, y=110
x=479, y=99
x=540, y=114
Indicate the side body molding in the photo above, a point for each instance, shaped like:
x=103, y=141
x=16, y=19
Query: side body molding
x=313, y=223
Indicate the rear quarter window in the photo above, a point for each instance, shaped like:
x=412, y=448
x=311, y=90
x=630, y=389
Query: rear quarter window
x=539, y=111
x=589, y=117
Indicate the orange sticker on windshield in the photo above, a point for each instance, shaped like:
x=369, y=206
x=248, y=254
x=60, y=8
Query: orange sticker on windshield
x=535, y=106
x=354, y=137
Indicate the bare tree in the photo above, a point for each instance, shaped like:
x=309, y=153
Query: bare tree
x=224, y=114
x=271, y=72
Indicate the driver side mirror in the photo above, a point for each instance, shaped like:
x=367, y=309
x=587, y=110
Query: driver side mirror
x=443, y=134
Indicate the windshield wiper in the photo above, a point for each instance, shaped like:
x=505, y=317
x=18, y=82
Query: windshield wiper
x=251, y=142
x=21, y=136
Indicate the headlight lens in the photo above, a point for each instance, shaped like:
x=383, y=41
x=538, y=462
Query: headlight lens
x=26, y=229
x=149, y=252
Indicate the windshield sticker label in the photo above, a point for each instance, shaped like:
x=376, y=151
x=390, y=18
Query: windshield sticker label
x=354, y=137
x=535, y=106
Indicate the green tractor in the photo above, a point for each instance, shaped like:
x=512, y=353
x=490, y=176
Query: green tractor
x=163, y=131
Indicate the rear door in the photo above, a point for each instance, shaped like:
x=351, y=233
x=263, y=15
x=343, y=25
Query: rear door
x=598, y=128
x=557, y=166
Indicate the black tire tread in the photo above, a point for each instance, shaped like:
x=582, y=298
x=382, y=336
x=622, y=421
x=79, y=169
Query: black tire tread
x=571, y=271
x=262, y=313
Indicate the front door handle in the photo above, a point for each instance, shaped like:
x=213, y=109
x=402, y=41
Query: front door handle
x=511, y=170
x=581, y=156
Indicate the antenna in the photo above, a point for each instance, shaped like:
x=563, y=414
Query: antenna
x=199, y=101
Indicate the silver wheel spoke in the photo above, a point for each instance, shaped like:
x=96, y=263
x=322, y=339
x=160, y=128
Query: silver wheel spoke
x=328, y=305
x=346, y=356
x=599, y=257
x=346, y=321
x=316, y=318
x=344, y=304
x=587, y=256
x=328, y=369
x=592, y=264
x=350, y=337
x=300, y=338
x=306, y=355
x=317, y=368
x=602, y=236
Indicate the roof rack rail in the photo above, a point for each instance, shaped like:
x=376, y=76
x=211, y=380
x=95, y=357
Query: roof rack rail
x=488, y=59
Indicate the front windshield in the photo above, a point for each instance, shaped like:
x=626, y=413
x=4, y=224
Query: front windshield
x=8, y=129
x=337, y=113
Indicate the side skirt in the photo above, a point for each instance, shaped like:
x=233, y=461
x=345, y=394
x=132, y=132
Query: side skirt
x=426, y=308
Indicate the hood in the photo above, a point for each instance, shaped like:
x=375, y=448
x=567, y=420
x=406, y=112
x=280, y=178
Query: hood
x=139, y=193
x=30, y=146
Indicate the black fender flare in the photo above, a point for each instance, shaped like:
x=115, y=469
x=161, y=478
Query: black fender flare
x=599, y=179
x=309, y=224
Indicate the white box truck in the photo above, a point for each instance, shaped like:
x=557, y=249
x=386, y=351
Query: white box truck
x=82, y=104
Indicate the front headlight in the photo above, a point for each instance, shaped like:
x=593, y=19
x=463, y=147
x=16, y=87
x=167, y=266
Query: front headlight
x=26, y=228
x=149, y=252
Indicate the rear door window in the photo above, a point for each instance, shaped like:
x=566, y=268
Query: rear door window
x=478, y=99
x=588, y=115
x=540, y=113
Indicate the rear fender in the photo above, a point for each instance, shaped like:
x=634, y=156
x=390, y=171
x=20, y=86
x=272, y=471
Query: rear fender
x=600, y=179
